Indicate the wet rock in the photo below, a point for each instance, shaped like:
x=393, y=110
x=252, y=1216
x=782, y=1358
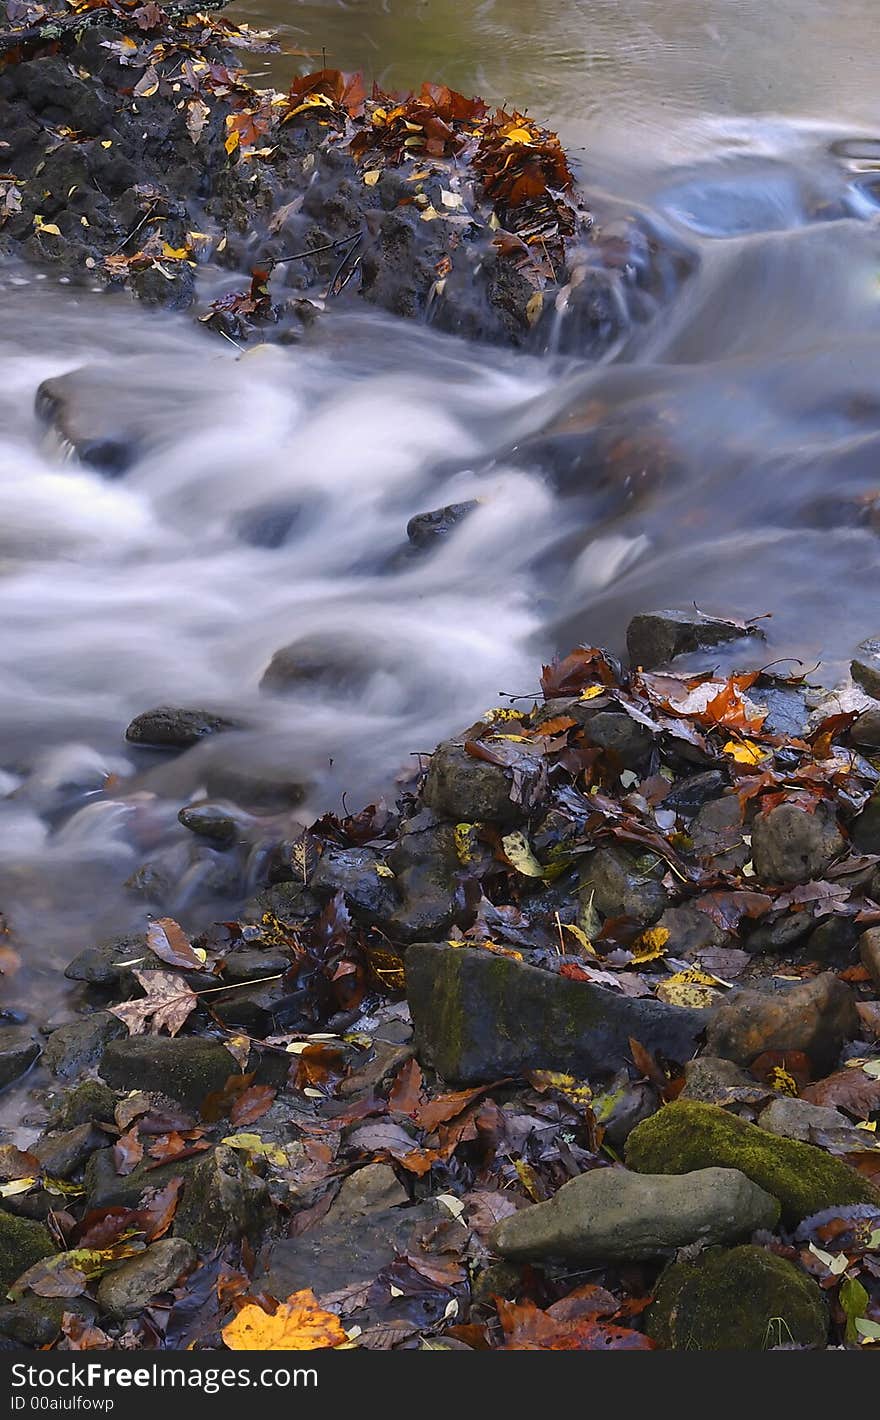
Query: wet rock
x=612, y=1215
x=61, y=1155
x=747, y=1299
x=18, y=1051
x=105, y=1188
x=464, y=789
x=816, y=1016
x=779, y=935
x=251, y=964
x=688, y=1135
x=332, y=1255
x=790, y=845
x=76, y=407
x=865, y=667
x=386, y=1059
x=654, y=638
x=710, y=1078
x=788, y=712
x=268, y=526
x=252, y=787
x=869, y=951
x=717, y=834
x=86, y=1102
x=223, y=1201
x=427, y=869
x=866, y=730
x=109, y=964
x=797, y=1119
x=344, y=664
x=169, y=727
x=359, y=873
x=76, y=1047
x=127, y=1290
x=865, y=827
x=211, y=821
x=22, y=1243
x=621, y=735
x=36, y=1321
x=689, y=795
x=479, y=1017
x=624, y=883
x=429, y=529
x=692, y=932
x=372, y=1189
x=259, y=1008
x=186, y=1067
x=628, y=1103
x=832, y=940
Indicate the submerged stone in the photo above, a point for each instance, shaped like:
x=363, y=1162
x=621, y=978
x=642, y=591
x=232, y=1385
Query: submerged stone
x=169, y=727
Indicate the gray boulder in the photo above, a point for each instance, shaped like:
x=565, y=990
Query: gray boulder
x=479, y=1016
x=18, y=1051
x=865, y=667
x=790, y=1118
x=466, y=789
x=76, y=1047
x=166, y=726
x=612, y=1215
x=655, y=637
x=624, y=883
x=125, y=1292
x=790, y=845
x=187, y=1067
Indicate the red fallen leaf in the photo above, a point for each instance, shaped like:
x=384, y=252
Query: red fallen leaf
x=127, y=1152
x=103, y=1227
x=346, y=90
x=174, y=1146
x=646, y=1064
x=583, y=667
x=445, y=1107
x=794, y=1062
x=318, y=1064
x=216, y=1106
x=157, y=1209
x=588, y=1301
x=727, y=909
x=833, y=725
x=252, y=1104
x=573, y=972
x=169, y=942
x=406, y=1092
x=472, y=1333
x=527, y=1328
x=855, y=974
x=851, y=1090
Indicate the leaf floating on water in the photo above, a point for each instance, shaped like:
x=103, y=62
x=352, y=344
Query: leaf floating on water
x=299, y=1324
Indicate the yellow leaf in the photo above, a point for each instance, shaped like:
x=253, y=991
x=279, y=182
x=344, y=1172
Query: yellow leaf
x=534, y=308
x=299, y=1324
x=107, y=143
x=745, y=751
x=17, y=1185
x=48, y=227
x=577, y=1091
x=429, y=214
x=529, y=1180
x=782, y=1081
x=520, y=856
x=592, y=691
x=688, y=988
x=384, y=871
x=176, y=254
x=253, y=1144
x=581, y=938
x=651, y=944
x=518, y=135
x=371, y=178
x=465, y=839
x=233, y=138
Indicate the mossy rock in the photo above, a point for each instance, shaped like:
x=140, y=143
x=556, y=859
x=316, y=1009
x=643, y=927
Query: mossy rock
x=22, y=1243
x=689, y=1135
x=747, y=1299
x=86, y=1103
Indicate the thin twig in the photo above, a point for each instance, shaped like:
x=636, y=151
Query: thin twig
x=315, y=251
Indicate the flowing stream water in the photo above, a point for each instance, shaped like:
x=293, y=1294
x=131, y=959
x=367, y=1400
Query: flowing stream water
x=748, y=132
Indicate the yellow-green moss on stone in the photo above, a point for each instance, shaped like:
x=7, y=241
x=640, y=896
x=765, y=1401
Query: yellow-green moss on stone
x=688, y=1135
x=747, y=1299
x=22, y=1243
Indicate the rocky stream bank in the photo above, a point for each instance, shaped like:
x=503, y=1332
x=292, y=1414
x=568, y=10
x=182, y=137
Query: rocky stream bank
x=575, y=1047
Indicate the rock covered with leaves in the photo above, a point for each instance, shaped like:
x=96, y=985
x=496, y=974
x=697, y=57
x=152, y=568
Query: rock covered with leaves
x=137, y=153
x=422, y=1052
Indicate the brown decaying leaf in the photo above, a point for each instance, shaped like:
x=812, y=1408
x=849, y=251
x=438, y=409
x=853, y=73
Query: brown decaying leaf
x=848, y=1089
x=168, y=941
x=527, y=1328
x=252, y=1104
x=128, y=1152
x=167, y=1004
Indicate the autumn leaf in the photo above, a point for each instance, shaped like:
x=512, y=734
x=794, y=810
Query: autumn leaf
x=650, y=945
x=692, y=988
x=167, y=940
x=299, y=1324
x=168, y=1003
x=251, y=1104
